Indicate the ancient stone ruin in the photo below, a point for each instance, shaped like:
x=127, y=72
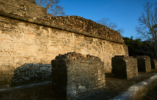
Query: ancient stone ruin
x=153, y=64
x=75, y=75
x=31, y=41
x=124, y=67
x=31, y=73
x=143, y=63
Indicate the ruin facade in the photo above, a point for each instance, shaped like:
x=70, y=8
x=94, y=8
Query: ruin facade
x=153, y=64
x=29, y=38
x=124, y=67
x=143, y=63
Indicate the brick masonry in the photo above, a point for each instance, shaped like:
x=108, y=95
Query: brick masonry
x=124, y=67
x=75, y=75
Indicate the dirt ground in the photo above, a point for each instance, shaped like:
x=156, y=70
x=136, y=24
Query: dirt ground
x=152, y=95
x=114, y=86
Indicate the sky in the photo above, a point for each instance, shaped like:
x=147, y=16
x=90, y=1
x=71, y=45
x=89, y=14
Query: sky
x=124, y=13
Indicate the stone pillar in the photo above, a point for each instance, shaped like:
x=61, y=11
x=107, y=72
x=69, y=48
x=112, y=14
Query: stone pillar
x=153, y=64
x=124, y=67
x=143, y=63
x=75, y=75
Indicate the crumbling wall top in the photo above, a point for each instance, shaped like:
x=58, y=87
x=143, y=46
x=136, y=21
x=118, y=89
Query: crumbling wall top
x=32, y=1
x=77, y=56
x=142, y=57
x=27, y=10
x=86, y=25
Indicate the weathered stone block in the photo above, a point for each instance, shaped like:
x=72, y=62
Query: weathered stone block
x=75, y=75
x=25, y=74
x=124, y=67
x=153, y=64
x=31, y=73
x=143, y=63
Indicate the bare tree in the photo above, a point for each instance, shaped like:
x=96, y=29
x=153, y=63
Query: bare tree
x=51, y=6
x=108, y=23
x=148, y=25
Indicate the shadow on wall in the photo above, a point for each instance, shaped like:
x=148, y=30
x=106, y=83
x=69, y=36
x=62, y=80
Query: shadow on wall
x=31, y=73
x=119, y=68
x=59, y=79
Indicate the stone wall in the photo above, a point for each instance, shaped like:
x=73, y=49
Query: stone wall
x=26, y=39
x=143, y=63
x=32, y=1
x=24, y=74
x=124, y=67
x=23, y=42
x=75, y=75
x=126, y=50
x=31, y=73
x=22, y=8
x=153, y=64
x=85, y=25
x=26, y=11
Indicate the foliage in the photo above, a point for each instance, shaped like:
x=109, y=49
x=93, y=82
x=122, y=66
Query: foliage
x=138, y=47
x=147, y=28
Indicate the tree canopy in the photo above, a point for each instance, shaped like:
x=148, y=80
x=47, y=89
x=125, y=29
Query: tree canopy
x=139, y=47
x=147, y=28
